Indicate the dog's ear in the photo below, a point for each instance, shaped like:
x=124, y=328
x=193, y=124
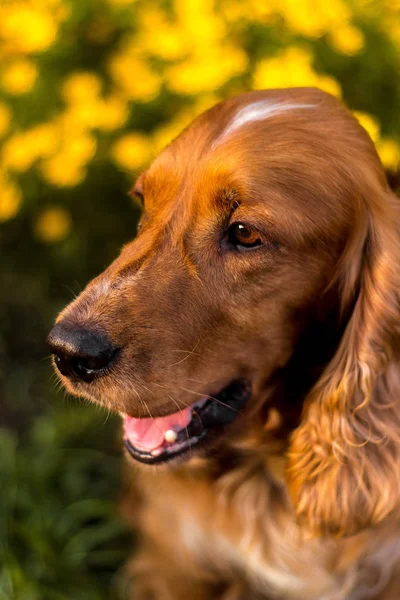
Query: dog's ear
x=344, y=458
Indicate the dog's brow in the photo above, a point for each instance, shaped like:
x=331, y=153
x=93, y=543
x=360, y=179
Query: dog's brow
x=258, y=111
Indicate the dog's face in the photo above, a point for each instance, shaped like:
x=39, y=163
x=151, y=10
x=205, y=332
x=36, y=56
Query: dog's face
x=247, y=218
x=231, y=255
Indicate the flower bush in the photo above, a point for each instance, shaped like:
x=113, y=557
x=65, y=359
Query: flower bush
x=76, y=74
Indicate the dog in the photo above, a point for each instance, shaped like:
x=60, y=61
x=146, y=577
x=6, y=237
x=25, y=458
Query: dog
x=249, y=336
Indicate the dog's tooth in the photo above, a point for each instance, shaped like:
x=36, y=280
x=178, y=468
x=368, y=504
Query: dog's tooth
x=157, y=451
x=170, y=436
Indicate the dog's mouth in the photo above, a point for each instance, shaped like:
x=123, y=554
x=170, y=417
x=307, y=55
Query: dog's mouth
x=154, y=441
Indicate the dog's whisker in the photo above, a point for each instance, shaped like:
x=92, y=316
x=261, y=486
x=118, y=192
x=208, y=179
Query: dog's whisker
x=142, y=403
x=108, y=414
x=189, y=354
x=46, y=358
x=204, y=382
x=186, y=429
x=175, y=402
x=71, y=291
x=57, y=384
x=180, y=400
x=211, y=398
x=148, y=409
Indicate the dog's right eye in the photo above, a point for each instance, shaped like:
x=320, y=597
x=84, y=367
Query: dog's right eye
x=243, y=236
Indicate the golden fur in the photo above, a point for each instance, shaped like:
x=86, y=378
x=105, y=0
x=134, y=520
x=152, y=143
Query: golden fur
x=299, y=499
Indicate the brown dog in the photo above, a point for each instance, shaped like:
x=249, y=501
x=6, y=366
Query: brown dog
x=250, y=338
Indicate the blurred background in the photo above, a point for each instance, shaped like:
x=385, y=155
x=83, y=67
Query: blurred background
x=90, y=90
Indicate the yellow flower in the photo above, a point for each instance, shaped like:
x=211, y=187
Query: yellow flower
x=45, y=138
x=169, y=44
x=5, y=118
x=10, y=200
x=370, y=124
x=53, y=225
x=106, y=115
x=313, y=18
x=207, y=70
x=26, y=28
x=249, y=10
x=82, y=116
x=389, y=152
x=81, y=87
x=391, y=5
x=18, y=153
x=19, y=77
x=80, y=148
x=347, y=39
x=303, y=20
x=261, y=11
x=134, y=77
x=392, y=27
x=328, y=84
x=121, y=2
x=60, y=171
x=131, y=151
x=151, y=17
x=74, y=150
x=199, y=22
x=22, y=149
x=292, y=68
x=235, y=10
x=113, y=112
x=86, y=109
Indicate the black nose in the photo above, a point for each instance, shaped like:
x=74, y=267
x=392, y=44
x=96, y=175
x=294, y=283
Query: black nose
x=80, y=353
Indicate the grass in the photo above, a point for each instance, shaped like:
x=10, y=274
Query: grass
x=60, y=535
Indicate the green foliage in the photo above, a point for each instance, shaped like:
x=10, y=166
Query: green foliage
x=60, y=538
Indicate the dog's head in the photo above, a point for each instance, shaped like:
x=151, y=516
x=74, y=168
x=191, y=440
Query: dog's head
x=266, y=266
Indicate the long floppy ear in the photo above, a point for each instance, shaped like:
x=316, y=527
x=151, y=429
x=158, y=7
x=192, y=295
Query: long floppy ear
x=344, y=458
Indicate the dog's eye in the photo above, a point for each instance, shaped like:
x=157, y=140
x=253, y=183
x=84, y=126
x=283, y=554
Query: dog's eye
x=244, y=236
x=138, y=197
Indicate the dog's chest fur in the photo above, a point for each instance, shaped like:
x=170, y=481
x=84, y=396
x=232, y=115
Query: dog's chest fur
x=241, y=526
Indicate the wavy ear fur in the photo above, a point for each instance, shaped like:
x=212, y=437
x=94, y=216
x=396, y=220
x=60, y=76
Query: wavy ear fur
x=344, y=458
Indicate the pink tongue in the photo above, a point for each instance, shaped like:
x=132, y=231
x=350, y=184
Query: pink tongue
x=149, y=433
